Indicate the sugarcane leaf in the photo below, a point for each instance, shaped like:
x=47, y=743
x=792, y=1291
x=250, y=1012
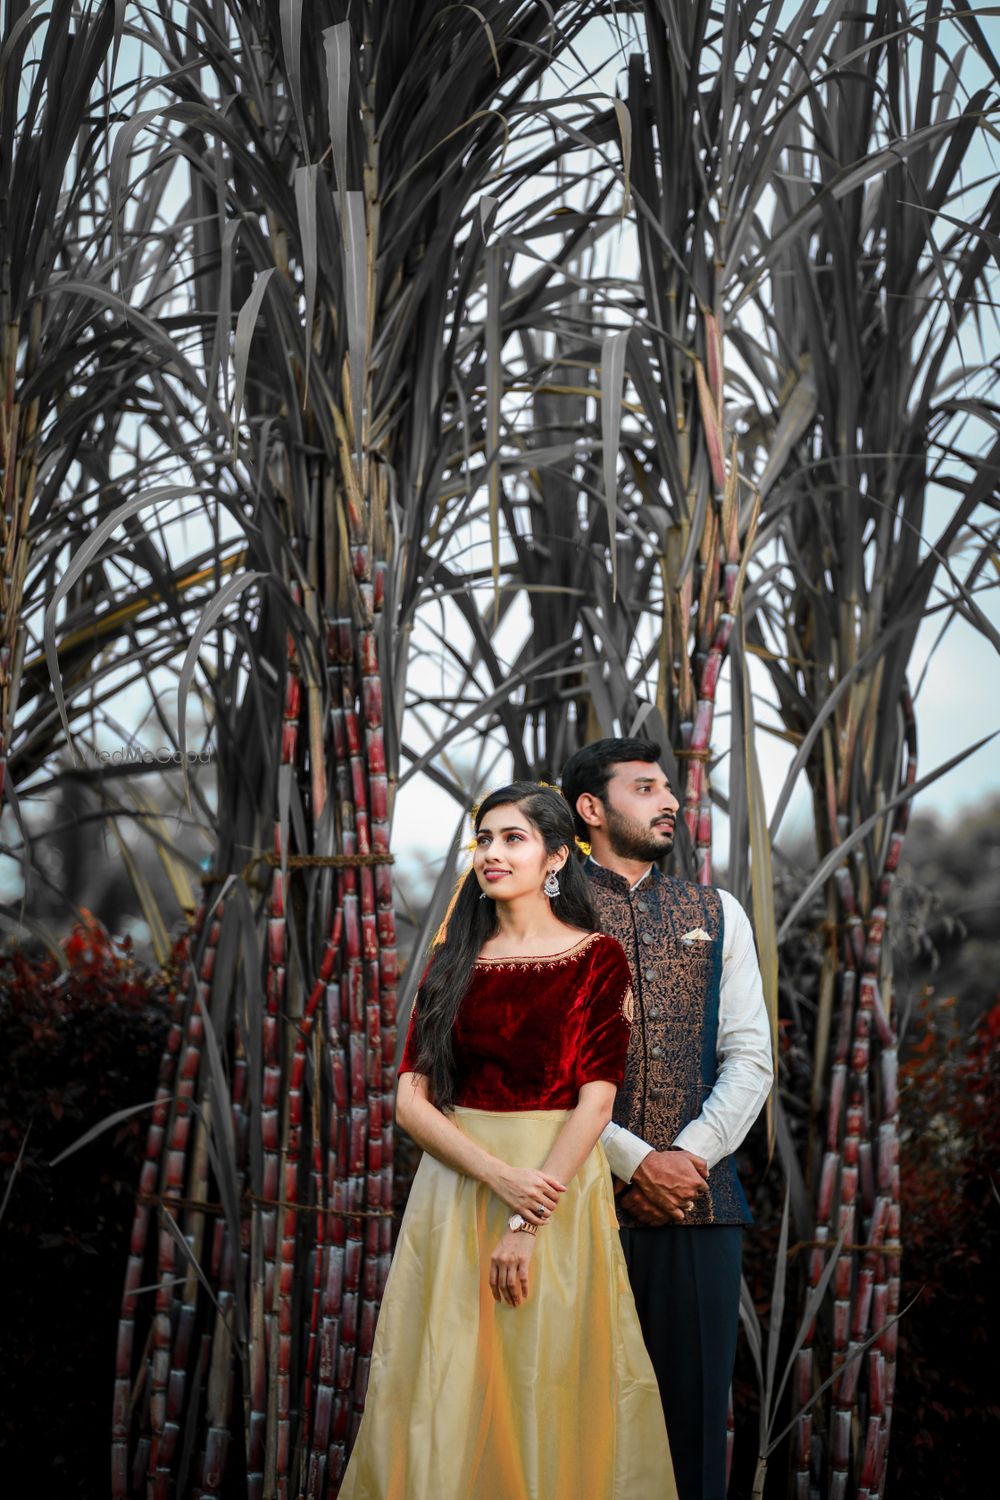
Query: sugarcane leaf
x=903, y=620
x=624, y=120
x=761, y=882
x=15, y=1169
x=777, y=1311
x=494, y=385
x=217, y=607
x=20, y=32
x=151, y=329
x=108, y=1123
x=796, y=416
x=487, y=216
x=305, y=200
x=751, y=1327
x=842, y=183
x=178, y=1235
x=356, y=251
x=219, y=1135
x=291, y=46
x=853, y=1355
x=838, y=855
x=792, y=1168
x=158, y=934
x=337, y=47
x=86, y=553
x=246, y=324
x=613, y=352
x=813, y=1303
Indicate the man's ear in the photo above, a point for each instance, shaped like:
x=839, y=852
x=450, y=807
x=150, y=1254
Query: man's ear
x=591, y=809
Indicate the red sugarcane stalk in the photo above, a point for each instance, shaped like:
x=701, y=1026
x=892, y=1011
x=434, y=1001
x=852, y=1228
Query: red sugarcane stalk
x=279, y=1274
x=885, y=1307
x=165, y=1316
x=332, y=1411
x=866, y=1282
x=148, y=1177
x=353, y=992
x=697, y=803
x=215, y=1451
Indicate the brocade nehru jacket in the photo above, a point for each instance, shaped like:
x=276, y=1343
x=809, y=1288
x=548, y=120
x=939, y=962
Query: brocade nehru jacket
x=673, y=934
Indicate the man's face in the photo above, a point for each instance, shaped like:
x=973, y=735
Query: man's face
x=641, y=810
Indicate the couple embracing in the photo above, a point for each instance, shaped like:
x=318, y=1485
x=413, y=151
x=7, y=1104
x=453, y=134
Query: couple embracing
x=584, y=1030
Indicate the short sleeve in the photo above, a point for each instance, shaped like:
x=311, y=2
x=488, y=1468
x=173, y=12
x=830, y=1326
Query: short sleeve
x=606, y=1027
x=408, y=1061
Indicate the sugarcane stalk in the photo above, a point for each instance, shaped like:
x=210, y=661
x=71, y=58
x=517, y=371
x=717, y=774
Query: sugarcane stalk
x=148, y=1177
x=224, y=1258
x=280, y=1175
x=859, y=1181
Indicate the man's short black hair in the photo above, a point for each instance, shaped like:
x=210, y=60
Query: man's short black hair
x=589, y=770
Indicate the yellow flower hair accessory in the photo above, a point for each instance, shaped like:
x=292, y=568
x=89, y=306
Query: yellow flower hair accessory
x=583, y=846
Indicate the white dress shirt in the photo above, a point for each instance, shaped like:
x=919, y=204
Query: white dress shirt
x=743, y=1049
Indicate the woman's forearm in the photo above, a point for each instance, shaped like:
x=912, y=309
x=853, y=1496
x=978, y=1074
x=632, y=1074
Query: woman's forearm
x=435, y=1133
x=581, y=1131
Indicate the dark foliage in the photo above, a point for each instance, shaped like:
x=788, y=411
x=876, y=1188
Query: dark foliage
x=947, y=1410
x=948, y=1407
x=77, y=1046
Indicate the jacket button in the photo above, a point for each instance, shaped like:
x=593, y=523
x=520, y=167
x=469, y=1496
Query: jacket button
x=649, y=975
x=656, y=1051
x=655, y=1014
x=647, y=938
x=641, y=906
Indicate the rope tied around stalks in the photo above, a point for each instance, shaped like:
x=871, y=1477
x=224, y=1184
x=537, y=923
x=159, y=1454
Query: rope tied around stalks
x=304, y=862
x=251, y=1200
x=693, y=754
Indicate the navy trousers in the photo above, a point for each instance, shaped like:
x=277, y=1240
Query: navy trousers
x=686, y=1284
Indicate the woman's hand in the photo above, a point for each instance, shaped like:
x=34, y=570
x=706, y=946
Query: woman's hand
x=509, y=1266
x=534, y=1195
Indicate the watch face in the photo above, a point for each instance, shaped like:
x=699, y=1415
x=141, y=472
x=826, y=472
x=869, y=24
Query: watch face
x=515, y=1221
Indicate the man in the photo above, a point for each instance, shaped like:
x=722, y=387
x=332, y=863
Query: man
x=698, y=1072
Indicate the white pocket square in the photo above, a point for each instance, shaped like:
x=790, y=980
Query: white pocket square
x=696, y=935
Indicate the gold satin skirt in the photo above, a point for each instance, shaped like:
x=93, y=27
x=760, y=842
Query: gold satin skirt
x=469, y=1399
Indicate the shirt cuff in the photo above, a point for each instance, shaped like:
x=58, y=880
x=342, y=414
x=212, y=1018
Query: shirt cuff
x=624, y=1150
x=701, y=1141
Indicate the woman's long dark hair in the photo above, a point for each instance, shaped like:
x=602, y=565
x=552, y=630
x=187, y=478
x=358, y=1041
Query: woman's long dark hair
x=472, y=922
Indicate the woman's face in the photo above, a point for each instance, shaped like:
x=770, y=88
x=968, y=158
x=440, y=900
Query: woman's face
x=511, y=859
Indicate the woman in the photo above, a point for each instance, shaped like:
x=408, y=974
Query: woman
x=508, y=1362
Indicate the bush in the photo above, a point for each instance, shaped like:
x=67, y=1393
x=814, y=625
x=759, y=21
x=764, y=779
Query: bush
x=77, y=1046
x=948, y=1391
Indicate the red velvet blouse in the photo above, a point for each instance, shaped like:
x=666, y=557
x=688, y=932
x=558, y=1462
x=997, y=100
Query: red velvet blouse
x=532, y=1031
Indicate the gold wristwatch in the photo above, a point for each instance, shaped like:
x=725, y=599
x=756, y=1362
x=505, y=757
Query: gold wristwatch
x=517, y=1223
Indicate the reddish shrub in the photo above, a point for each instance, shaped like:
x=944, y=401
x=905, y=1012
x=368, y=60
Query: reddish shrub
x=948, y=1392
x=77, y=1046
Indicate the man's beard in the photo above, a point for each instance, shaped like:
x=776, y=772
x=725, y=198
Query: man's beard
x=630, y=839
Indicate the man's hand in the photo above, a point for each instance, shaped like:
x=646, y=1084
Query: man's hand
x=670, y=1182
x=634, y=1202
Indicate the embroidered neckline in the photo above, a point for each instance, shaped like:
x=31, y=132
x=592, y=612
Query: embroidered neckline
x=543, y=958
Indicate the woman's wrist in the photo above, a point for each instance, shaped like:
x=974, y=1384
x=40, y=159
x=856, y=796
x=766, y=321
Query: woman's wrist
x=492, y=1173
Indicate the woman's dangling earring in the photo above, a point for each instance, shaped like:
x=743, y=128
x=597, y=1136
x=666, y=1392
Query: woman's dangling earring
x=551, y=886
